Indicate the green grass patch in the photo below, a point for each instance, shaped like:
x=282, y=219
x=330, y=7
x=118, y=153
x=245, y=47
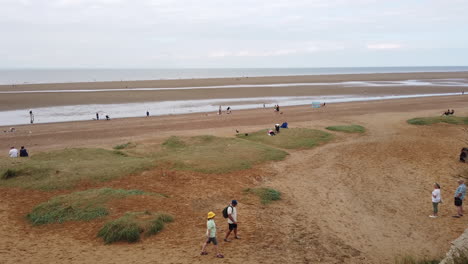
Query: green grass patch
x=348, y=129
x=65, y=168
x=209, y=154
x=292, y=138
x=78, y=206
x=413, y=260
x=266, y=195
x=130, y=226
x=421, y=121
x=124, y=146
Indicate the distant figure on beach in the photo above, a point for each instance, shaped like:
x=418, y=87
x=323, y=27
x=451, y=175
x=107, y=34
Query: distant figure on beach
x=277, y=108
x=263, y=105
x=228, y=110
x=107, y=117
x=13, y=152
x=463, y=154
x=459, y=197
x=97, y=116
x=211, y=236
x=277, y=128
x=147, y=113
x=323, y=105
x=219, y=111
x=31, y=116
x=23, y=152
x=436, y=199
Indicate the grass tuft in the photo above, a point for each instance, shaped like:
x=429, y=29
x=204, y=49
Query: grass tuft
x=130, y=226
x=63, y=169
x=348, y=129
x=124, y=146
x=412, y=260
x=423, y=121
x=10, y=173
x=77, y=206
x=266, y=195
x=209, y=154
x=292, y=138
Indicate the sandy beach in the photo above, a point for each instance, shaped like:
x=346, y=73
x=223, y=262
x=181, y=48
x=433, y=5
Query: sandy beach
x=35, y=100
x=359, y=199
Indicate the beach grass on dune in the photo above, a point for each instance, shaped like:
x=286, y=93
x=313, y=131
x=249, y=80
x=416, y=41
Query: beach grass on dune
x=413, y=260
x=129, y=227
x=266, y=195
x=78, y=206
x=292, y=138
x=210, y=154
x=63, y=169
x=457, y=120
x=348, y=129
x=124, y=146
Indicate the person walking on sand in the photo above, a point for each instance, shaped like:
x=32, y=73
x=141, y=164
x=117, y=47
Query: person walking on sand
x=459, y=197
x=31, y=117
x=147, y=113
x=211, y=236
x=436, y=199
x=97, y=116
x=232, y=220
x=13, y=152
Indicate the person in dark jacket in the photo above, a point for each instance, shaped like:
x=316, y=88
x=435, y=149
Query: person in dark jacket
x=23, y=152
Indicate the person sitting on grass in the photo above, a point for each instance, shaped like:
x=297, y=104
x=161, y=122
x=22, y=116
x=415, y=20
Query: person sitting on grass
x=452, y=112
x=23, y=152
x=271, y=133
x=211, y=235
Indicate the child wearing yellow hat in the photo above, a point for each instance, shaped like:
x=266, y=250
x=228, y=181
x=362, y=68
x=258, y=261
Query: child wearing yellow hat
x=211, y=235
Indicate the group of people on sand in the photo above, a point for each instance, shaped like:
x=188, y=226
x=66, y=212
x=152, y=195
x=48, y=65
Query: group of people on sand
x=230, y=212
x=13, y=153
x=459, y=196
x=448, y=112
x=97, y=116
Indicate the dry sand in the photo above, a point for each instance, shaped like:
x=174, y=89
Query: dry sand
x=359, y=199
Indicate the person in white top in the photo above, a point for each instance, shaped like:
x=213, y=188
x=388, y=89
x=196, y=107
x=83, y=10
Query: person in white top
x=13, y=152
x=232, y=220
x=436, y=199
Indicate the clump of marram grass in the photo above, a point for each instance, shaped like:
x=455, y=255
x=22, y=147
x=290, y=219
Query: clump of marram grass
x=78, y=206
x=63, y=169
x=413, y=260
x=124, y=146
x=456, y=120
x=210, y=154
x=348, y=129
x=292, y=138
x=130, y=226
x=266, y=195
x=10, y=173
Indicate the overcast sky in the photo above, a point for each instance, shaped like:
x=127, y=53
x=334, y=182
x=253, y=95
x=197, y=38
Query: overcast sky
x=228, y=33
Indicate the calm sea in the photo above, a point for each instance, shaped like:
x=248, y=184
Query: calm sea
x=20, y=76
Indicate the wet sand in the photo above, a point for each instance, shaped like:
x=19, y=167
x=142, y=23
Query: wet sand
x=27, y=101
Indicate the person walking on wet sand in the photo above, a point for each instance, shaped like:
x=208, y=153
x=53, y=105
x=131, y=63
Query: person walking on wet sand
x=436, y=199
x=211, y=236
x=459, y=197
x=232, y=220
x=97, y=116
x=147, y=113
